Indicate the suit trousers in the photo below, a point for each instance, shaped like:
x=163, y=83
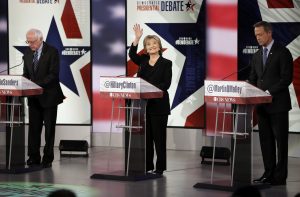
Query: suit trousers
x=156, y=131
x=273, y=133
x=37, y=116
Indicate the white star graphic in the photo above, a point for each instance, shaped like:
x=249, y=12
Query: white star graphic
x=197, y=41
x=117, y=48
x=3, y=26
x=117, y=11
x=83, y=52
x=96, y=29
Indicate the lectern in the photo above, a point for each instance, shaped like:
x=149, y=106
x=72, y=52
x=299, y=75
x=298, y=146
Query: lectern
x=136, y=91
x=241, y=98
x=12, y=89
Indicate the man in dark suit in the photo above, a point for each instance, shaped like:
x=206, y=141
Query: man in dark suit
x=41, y=65
x=272, y=71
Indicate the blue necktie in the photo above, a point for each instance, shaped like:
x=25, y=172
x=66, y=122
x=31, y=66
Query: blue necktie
x=35, y=61
x=265, y=55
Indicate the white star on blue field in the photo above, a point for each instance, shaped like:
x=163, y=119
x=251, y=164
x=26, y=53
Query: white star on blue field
x=108, y=28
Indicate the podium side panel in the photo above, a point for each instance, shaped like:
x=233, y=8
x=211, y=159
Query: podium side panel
x=18, y=146
x=2, y=145
x=137, y=149
x=17, y=130
x=243, y=157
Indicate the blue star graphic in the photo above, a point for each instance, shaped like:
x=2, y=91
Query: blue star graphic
x=68, y=55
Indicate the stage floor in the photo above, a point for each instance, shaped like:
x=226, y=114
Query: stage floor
x=184, y=171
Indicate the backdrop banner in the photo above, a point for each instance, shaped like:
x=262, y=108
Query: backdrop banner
x=285, y=19
x=181, y=28
x=65, y=24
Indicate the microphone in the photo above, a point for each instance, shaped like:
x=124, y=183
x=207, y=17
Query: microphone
x=2, y=71
x=121, y=75
x=244, y=68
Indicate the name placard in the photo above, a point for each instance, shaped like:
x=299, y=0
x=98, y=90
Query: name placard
x=15, y=85
x=128, y=87
x=238, y=92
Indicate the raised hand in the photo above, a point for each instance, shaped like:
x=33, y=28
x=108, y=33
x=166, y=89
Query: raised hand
x=138, y=31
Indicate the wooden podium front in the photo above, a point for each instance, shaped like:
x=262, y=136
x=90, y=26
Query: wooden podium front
x=12, y=90
x=240, y=98
x=136, y=92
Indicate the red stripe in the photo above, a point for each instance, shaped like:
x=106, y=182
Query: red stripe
x=86, y=77
x=25, y=92
x=196, y=119
x=102, y=108
x=280, y=3
x=132, y=68
x=238, y=100
x=211, y=114
x=69, y=21
x=131, y=95
x=222, y=16
x=221, y=66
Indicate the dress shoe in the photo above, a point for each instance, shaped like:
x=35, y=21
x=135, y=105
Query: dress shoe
x=276, y=182
x=31, y=162
x=262, y=179
x=160, y=172
x=46, y=165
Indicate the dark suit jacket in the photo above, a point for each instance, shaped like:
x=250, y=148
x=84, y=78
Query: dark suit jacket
x=160, y=77
x=275, y=77
x=46, y=76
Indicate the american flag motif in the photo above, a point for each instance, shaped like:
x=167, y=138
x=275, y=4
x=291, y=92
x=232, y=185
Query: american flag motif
x=224, y=17
x=221, y=49
x=109, y=54
x=3, y=36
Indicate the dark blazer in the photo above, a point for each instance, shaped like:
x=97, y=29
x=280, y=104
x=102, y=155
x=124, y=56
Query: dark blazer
x=275, y=77
x=160, y=76
x=46, y=76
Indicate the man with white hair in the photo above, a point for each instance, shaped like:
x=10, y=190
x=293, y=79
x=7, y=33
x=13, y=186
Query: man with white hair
x=41, y=65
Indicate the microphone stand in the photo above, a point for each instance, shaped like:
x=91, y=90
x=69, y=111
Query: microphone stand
x=236, y=72
x=2, y=71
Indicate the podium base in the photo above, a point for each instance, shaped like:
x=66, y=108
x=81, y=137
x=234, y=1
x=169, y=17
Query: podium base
x=140, y=177
x=225, y=186
x=20, y=169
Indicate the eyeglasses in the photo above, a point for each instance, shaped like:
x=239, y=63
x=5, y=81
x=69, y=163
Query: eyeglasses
x=31, y=42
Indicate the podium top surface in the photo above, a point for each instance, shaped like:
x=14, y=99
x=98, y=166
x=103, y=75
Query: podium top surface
x=128, y=88
x=16, y=85
x=236, y=92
